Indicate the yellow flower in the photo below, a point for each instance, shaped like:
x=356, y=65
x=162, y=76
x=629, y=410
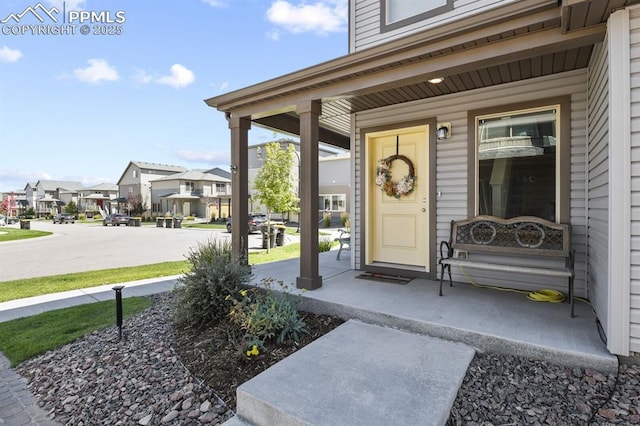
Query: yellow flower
x=228, y=297
x=243, y=293
x=254, y=351
x=233, y=311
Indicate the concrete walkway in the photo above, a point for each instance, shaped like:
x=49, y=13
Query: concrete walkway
x=17, y=405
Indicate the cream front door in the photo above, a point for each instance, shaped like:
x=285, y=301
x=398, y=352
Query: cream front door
x=397, y=227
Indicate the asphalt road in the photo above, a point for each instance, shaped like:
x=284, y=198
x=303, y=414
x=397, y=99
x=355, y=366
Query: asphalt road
x=86, y=247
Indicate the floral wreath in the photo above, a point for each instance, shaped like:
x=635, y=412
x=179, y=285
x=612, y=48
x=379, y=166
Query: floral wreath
x=404, y=186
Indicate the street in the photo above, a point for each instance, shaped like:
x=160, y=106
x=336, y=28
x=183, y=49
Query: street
x=86, y=247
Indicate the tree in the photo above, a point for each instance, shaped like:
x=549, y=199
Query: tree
x=136, y=205
x=274, y=187
x=71, y=208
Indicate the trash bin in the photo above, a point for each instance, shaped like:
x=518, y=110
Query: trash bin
x=168, y=223
x=280, y=236
x=25, y=224
x=177, y=223
x=268, y=237
x=160, y=222
x=136, y=221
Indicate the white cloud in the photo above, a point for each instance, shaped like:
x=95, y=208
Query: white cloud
x=320, y=17
x=141, y=77
x=98, y=70
x=9, y=55
x=180, y=76
x=216, y=3
x=212, y=157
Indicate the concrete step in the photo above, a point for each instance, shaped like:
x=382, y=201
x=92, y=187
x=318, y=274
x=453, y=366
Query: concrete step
x=358, y=374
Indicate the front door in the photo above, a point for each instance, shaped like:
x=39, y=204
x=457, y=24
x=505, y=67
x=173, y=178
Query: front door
x=397, y=218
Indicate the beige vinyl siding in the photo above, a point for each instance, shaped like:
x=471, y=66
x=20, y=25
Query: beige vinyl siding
x=451, y=160
x=634, y=344
x=598, y=182
x=366, y=23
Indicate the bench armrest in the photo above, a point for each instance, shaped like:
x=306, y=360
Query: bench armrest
x=449, y=250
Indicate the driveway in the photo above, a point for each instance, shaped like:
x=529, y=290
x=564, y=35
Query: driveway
x=86, y=247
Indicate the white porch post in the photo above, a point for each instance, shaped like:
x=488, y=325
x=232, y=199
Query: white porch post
x=239, y=185
x=309, y=113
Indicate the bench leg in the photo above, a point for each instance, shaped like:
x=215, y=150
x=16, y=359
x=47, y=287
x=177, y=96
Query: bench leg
x=442, y=268
x=339, y=251
x=571, y=295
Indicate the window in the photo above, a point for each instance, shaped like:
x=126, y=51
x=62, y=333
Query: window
x=397, y=13
x=221, y=188
x=517, y=163
x=190, y=186
x=333, y=202
x=135, y=173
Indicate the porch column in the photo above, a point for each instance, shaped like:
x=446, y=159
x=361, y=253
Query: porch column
x=239, y=185
x=309, y=113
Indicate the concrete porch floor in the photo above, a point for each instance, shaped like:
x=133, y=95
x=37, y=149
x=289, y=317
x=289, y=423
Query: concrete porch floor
x=488, y=320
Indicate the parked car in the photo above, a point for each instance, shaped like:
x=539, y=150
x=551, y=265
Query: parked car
x=64, y=218
x=255, y=220
x=117, y=219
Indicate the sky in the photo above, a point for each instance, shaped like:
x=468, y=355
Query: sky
x=80, y=107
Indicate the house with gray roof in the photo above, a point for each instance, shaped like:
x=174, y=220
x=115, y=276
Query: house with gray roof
x=191, y=193
x=135, y=182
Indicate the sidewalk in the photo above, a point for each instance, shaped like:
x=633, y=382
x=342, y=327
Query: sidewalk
x=35, y=305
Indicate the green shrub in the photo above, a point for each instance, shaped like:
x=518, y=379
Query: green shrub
x=326, y=218
x=324, y=244
x=202, y=298
x=264, y=314
x=82, y=216
x=344, y=218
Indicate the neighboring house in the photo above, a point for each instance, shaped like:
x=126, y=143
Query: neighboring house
x=502, y=107
x=50, y=196
x=16, y=202
x=334, y=189
x=134, y=182
x=256, y=160
x=98, y=198
x=30, y=194
x=191, y=193
x=220, y=172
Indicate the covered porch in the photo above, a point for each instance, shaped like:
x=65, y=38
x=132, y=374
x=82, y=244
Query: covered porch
x=520, y=41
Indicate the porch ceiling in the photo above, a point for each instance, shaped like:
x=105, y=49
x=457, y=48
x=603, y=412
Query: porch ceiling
x=481, y=51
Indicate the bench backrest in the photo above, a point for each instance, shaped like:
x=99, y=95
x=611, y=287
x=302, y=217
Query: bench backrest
x=520, y=235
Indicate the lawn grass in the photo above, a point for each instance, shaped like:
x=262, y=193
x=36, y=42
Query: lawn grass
x=204, y=225
x=24, y=338
x=12, y=234
x=288, y=251
x=18, y=289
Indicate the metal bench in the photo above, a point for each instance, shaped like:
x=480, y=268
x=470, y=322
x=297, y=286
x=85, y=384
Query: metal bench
x=345, y=241
x=524, y=236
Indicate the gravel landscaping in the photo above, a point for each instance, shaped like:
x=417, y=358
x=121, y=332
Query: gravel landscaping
x=144, y=379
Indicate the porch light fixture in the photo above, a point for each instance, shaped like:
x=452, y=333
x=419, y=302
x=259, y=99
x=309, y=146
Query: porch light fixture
x=234, y=169
x=444, y=131
x=436, y=80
